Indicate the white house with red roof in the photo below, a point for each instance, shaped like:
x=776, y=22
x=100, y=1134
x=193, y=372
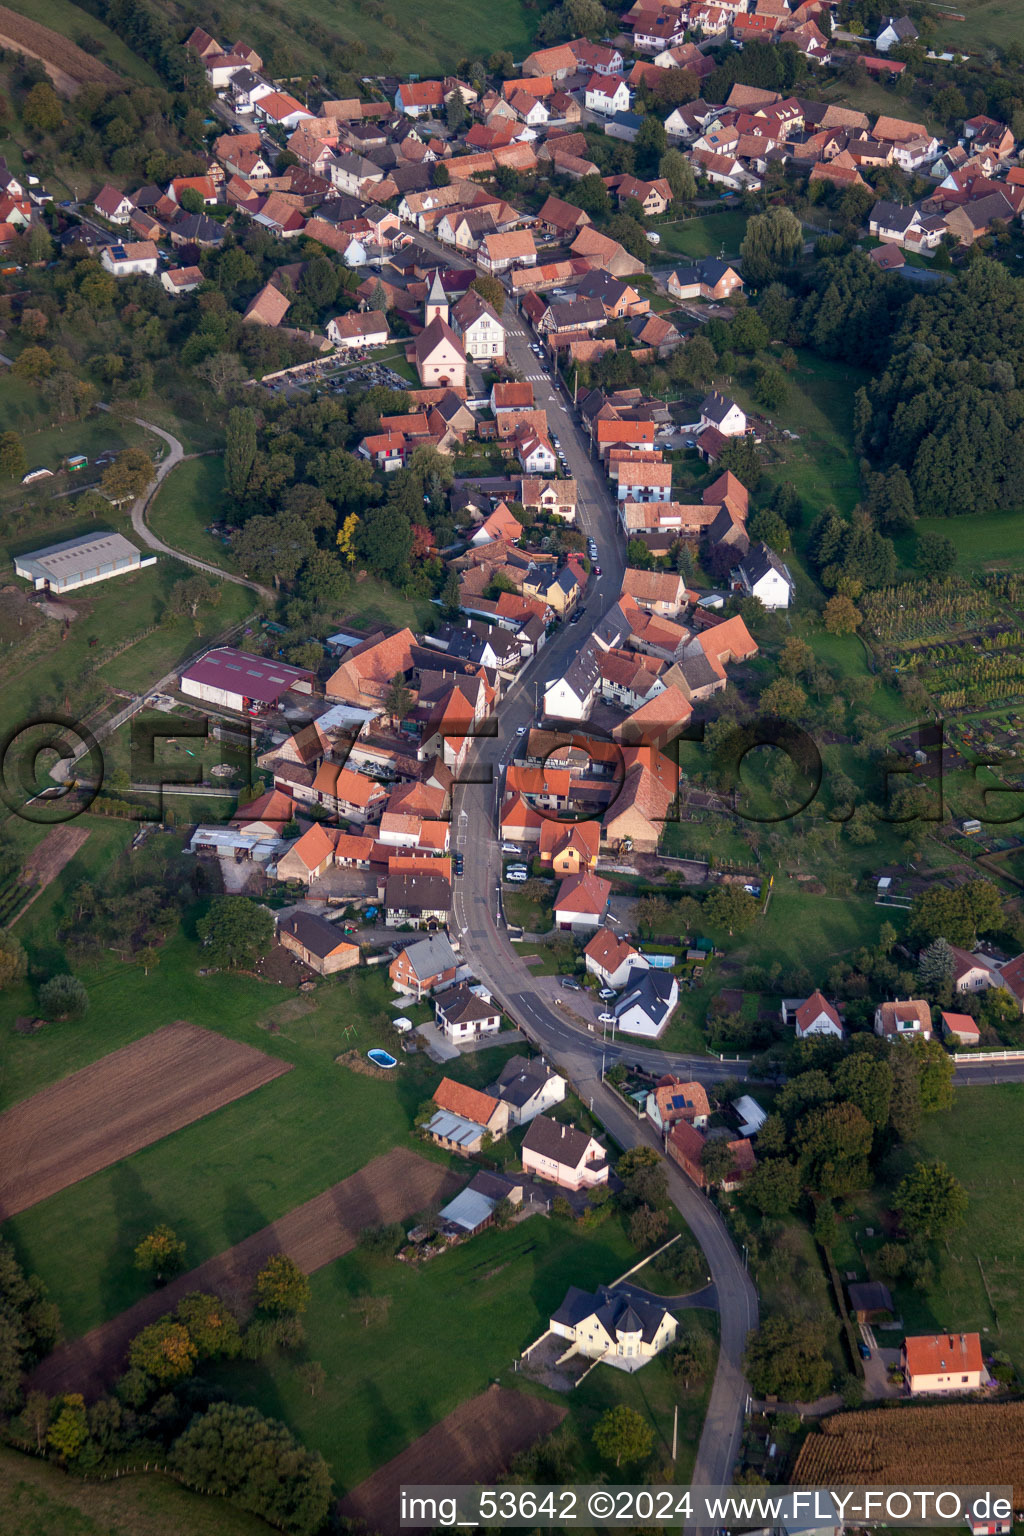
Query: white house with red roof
x=611, y=958
x=814, y=1016
x=960, y=1028
x=115, y=207
x=943, y=1363
x=907, y=1020
x=606, y=94
x=582, y=901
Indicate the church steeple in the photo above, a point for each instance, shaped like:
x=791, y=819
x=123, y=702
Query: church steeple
x=437, y=301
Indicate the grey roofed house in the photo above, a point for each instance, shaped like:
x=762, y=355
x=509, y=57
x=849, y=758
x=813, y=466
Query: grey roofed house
x=197, y=229
x=582, y=673
x=431, y=956
x=892, y=216
x=563, y=1143
x=416, y=893
x=460, y=1005
x=618, y=1312
x=80, y=562
x=716, y=406
x=602, y=285
x=612, y=628
x=577, y=312
x=338, y=206
x=652, y=993
x=147, y=197
x=313, y=932
x=759, y=562
x=520, y=1079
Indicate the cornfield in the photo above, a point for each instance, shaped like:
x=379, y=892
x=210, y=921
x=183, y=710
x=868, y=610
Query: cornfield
x=936, y=1446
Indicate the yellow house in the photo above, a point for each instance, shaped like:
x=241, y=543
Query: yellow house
x=623, y=1331
x=559, y=589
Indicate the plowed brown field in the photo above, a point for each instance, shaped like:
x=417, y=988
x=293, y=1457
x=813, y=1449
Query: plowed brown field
x=472, y=1445
x=67, y=65
x=123, y=1102
x=390, y=1188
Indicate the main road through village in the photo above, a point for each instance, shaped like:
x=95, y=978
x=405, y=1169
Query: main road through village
x=481, y=929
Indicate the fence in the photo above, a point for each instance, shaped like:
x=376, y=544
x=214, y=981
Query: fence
x=982, y=1058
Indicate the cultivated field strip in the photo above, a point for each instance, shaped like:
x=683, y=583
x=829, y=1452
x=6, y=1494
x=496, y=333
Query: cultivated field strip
x=123, y=1102
x=474, y=1443
x=390, y=1188
x=936, y=1446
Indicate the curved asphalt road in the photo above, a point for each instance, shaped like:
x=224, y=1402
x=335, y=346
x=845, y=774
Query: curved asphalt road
x=176, y=455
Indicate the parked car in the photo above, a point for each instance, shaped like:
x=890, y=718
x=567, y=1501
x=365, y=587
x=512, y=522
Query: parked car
x=606, y=1018
x=865, y=1353
x=606, y=992
x=570, y=983
x=517, y=877
x=510, y=848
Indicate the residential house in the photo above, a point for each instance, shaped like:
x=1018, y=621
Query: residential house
x=904, y=1020
x=132, y=259
x=316, y=942
x=612, y=959
x=673, y=1099
x=513, y=248
x=268, y=307
x=555, y=497
x=416, y=897
x=366, y=672
x=529, y=1087
x=814, y=1016
x=465, y=1118
x=895, y=29
x=424, y=966
x=570, y=696
x=615, y=1327
x=179, y=280
x=280, y=108
x=535, y=454
x=647, y=1005
x=718, y=411
x=478, y=328
x=711, y=279
x=466, y=1012
x=943, y=1363
x=564, y=1155
x=763, y=574
x=606, y=95
x=581, y=901
x=113, y=205
x=569, y=847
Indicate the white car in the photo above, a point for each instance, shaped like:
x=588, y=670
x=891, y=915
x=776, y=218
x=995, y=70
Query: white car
x=517, y=877
x=521, y=730
x=606, y=1018
x=606, y=992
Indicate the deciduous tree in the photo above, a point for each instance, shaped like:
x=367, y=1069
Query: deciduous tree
x=623, y=1435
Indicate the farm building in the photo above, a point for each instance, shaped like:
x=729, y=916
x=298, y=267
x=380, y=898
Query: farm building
x=317, y=943
x=80, y=562
x=247, y=684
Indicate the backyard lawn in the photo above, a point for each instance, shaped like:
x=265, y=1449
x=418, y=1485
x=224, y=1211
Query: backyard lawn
x=705, y=235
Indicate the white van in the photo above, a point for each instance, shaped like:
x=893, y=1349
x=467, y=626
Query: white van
x=517, y=876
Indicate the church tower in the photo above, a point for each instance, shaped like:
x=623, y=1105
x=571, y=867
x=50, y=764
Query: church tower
x=436, y=307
